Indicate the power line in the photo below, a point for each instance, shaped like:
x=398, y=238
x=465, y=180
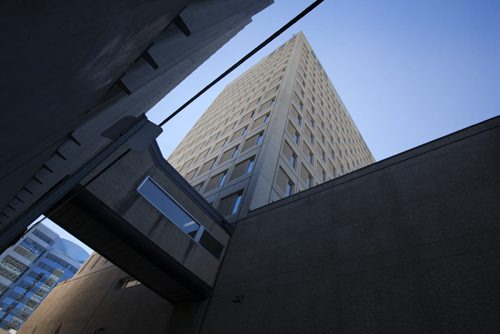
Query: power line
x=201, y=92
x=244, y=58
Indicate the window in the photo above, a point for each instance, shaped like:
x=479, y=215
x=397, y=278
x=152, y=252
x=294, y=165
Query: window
x=207, y=166
x=43, y=236
x=25, y=253
x=202, y=155
x=291, y=130
x=230, y=204
x=253, y=141
x=296, y=137
x=310, y=181
x=32, y=246
x=251, y=164
x=229, y=154
x=284, y=182
x=266, y=104
x=311, y=157
x=190, y=175
x=216, y=181
x=128, y=282
x=178, y=216
x=155, y=195
x=240, y=133
x=243, y=168
x=198, y=186
x=260, y=121
x=293, y=160
x=296, y=115
x=213, y=137
x=229, y=127
x=220, y=144
x=290, y=155
x=247, y=117
x=212, y=245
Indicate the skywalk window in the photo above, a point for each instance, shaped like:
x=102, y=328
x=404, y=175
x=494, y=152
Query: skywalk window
x=168, y=206
x=176, y=214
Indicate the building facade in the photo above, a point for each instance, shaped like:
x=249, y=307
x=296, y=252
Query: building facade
x=278, y=129
x=135, y=53
x=408, y=244
x=30, y=269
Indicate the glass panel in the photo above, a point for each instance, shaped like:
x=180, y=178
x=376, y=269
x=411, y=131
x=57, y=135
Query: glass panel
x=161, y=200
x=166, y=205
x=211, y=244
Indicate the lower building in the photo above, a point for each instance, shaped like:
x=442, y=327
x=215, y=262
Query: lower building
x=30, y=269
x=407, y=244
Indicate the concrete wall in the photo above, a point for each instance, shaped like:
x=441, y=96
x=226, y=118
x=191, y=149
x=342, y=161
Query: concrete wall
x=87, y=303
x=117, y=189
x=133, y=57
x=109, y=215
x=409, y=244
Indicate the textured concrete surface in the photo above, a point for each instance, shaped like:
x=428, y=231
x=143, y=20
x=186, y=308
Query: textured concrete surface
x=134, y=54
x=93, y=301
x=406, y=245
x=115, y=220
x=65, y=56
x=409, y=244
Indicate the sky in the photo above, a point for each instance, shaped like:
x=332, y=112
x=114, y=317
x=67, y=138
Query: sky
x=407, y=71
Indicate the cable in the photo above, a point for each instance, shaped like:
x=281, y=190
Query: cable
x=243, y=59
x=202, y=91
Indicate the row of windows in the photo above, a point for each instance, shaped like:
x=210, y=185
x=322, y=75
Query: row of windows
x=197, y=137
x=293, y=131
x=217, y=181
x=32, y=246
x=62, y=263
x=51, y=269
x=227, y=101
x=356, y=147
x=25, y=253
x=318, y=141
x=227, y=155
x=13, y=264
x=43, y=236
x=346, y=127
x=9, y=274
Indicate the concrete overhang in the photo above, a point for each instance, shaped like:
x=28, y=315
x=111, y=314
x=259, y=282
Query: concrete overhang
x=111, y=214
x=71, y=70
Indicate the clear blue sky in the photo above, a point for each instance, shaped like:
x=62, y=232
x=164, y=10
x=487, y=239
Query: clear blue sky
x=407, y=71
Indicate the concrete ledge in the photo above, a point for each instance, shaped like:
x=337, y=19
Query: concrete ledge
x=386, y=163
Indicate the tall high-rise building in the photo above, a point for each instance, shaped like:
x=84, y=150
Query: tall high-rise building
x=278, y=129
x=371, y=251
x=30, y=269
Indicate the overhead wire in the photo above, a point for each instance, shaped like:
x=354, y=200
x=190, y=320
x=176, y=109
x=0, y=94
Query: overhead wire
x=277, y=33
x=243, y=59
